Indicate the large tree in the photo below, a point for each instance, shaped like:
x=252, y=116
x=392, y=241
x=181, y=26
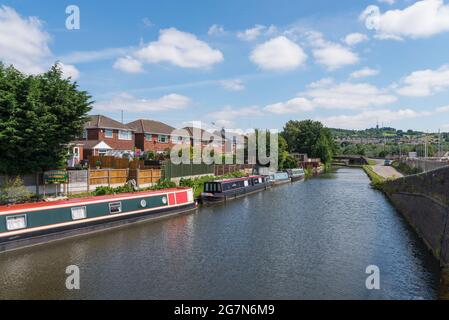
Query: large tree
x=39, y=116
x=310, y=137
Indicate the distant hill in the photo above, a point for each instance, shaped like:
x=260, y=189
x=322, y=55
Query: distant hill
x=373, y=133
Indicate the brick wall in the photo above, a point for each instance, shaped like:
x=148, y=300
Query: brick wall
x=152, y=145
x=114, y=142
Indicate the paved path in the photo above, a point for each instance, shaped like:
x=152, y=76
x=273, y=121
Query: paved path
x=388, y=172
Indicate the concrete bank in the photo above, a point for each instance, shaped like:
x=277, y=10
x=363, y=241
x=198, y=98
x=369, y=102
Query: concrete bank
x=423, y=200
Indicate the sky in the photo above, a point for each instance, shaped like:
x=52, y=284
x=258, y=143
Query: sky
x=244, y=64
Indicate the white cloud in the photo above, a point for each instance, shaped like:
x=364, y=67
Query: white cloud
x=23, y=42
x=425, y=82
x=422, y=19
x=69, y=71
x=233, y=84
x=252, y=33
x=355, y=38
x=370, y=117
x=96, y=55
x=443, y=109
x=278, y=53
x=128, y=64
x=325, y=94
x=216, y=30
x=363, y=73
x=330, y=54
x=295, y=105
x=226, y=116
x=129, y=103
x=181, y=49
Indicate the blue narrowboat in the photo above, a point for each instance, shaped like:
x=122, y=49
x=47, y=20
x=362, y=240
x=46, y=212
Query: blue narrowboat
x=23, y=225
x=222, y=190
x=279, y=178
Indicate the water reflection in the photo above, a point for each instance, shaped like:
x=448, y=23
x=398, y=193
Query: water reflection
x=308, y=240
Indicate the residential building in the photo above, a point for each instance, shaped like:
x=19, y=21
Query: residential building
x=151, y=135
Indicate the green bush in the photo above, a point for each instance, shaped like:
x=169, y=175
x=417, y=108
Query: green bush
x=163, y=184
x=14, y=191
x=101, y=191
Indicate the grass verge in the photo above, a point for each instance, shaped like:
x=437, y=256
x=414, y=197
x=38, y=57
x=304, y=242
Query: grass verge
x=377, y=181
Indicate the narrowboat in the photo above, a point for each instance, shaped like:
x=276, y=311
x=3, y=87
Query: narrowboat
x=222, y=190
x=279, y=178
x=23, y=225
x=296, y=174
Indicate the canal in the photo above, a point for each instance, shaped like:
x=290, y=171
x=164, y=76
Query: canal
x=309, y=240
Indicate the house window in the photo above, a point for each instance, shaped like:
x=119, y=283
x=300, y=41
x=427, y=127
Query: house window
x=115, y=207
x=125, y=135
x=162, y=138
x=85, y=134
x=148, y=137
x=16, y=222
x=108, y=133
x=76, y=152
x=176, y=140
x=78, y=213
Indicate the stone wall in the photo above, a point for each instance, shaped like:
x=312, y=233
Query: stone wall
x=426, y=165
x=423, y=199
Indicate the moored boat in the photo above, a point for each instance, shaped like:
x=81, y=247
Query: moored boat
x=296, y=174
x=222, y=190
x=28, y=224
x=280, y=178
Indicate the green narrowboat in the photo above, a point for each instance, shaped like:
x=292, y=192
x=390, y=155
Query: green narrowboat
x=33, y=223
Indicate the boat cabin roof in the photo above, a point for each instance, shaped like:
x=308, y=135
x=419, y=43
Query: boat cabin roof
x=81, y=201
x=236, y=179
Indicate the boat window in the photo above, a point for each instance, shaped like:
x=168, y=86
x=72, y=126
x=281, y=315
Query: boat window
x=115, y=207
x=16, y=222
x=245, y=183
x=255, y=181
x=78, y=213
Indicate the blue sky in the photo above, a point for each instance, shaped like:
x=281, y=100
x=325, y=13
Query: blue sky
x=245, y=64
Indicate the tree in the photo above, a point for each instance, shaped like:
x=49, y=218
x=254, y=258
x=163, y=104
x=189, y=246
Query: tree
x=39, y=116
x=310, y=137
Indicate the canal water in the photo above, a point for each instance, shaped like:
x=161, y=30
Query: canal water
x=308, y=240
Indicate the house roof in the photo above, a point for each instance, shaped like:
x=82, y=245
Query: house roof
x=102, y=122
x=204, y=133
x=150, y=126
x=92, y=144
x=231, y=136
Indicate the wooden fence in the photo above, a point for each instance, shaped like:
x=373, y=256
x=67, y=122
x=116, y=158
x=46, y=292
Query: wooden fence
x=108, y=176
x=108, y=162
x=145, y=176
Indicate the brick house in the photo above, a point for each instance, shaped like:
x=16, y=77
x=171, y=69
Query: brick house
x=153, y=135
x=117, y=135
x=206, y=138
x=102, y=135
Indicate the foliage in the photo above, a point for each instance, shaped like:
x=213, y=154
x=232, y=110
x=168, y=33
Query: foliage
x=39, y=116
x=405, y=169
x=163, y=184
x=377, y=181
x=310, y=137
x=14, y=191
